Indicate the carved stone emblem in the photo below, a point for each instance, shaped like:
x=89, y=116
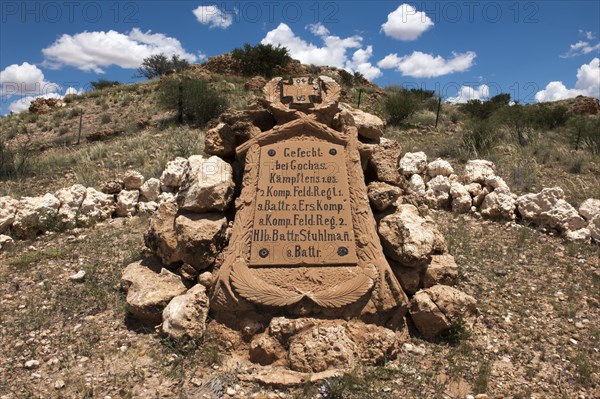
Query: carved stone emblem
x=301, y=91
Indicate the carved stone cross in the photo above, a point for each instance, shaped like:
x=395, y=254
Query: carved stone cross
x=301, y=91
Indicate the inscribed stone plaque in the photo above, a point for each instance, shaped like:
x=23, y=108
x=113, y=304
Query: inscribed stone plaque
x=302, y=212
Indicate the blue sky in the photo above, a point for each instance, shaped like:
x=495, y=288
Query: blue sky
x=534, y=50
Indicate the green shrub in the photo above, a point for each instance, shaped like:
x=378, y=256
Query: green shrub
x=104, y=119
x=549, y=117
x=398, y=106
x=102, y=84
x=193, y=98
x=480, y=137
x=585, y=133
x=261, y=59
x=14, y=162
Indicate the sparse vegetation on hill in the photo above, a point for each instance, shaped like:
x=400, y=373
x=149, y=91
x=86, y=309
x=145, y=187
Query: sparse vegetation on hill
x=262, y=59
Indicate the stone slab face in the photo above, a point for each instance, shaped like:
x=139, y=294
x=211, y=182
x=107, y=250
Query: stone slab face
x=304, y=239
x=302, y=211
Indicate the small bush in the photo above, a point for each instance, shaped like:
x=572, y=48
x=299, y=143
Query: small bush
x=549, y=117
x=194, y=98
x=261, y=59
x=585, y=133
x=104, y=119
x=102, y=84
x=399, y=106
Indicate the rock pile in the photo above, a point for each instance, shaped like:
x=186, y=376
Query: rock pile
x=188, y=233
x=478, y=191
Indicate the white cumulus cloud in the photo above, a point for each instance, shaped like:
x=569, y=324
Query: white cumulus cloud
x=24, y=79
x=423, y=65
x=213, y=16
x=333, y=52
x=406, y=23
x=467, y=93
x=588, y=84
x=92, y=51
x=581, y=48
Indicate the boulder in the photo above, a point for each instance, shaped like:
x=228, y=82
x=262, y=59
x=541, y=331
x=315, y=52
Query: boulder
x=461, y=198
x=112, y=187
x=133, y=180
x=588, y=209
x=369, y=126
x=442, y=270
x=382, y=195
x=149, y=289
x=8, y=210
x=478, y=199
x=413, y=163
x=208, y=185
x=578, y=235
x=439, y=167
x=146, y=208
x=265, y=350
x=416, y=186
x=172, y=177
x=185, y=316
x=255, y=83
x=383, y=164
x=150, y=190
x=476, y=171
x=126, y=203
x=499, y=204
x=161, y=237
x=408, y=238
x=35, y=215
x=594, y=228
x=563, y=216
x=531, y=206
x=374, y=344
x=474, y=189
x=434, y=310
x=438, y=192
x=320, y=348
x=70, y=199
x=96, y=206
x=495, y=182
x=220, y=141
x=200, y=238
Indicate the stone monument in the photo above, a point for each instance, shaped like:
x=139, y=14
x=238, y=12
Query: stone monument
x=304, y=239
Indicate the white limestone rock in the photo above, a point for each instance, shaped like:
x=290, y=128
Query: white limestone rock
x=35, y=215
x=8, y=210
x=476, y=171
x=208, y=185
x=96, y=206
x=185, y=316
x=172, y=177
x=127, y=201
x=439, y=167
x=413, y=163
x=588, y=209
x=133, y=180
x=70, y=199
x=150, y=190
